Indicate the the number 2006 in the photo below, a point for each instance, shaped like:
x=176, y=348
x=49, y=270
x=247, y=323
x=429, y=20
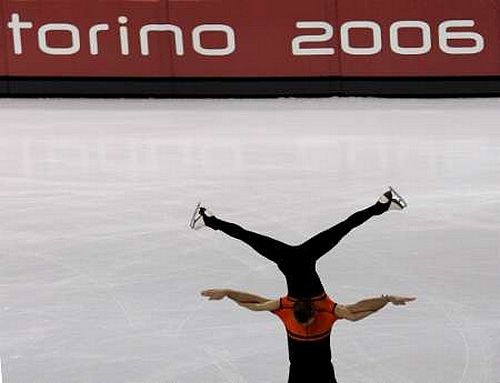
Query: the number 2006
x=446, y=36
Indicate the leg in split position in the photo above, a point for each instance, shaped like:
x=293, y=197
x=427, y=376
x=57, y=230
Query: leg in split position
x=298, y=263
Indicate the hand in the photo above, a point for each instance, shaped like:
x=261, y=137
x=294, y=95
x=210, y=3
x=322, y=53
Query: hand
x=214, y=294
x=399, y=301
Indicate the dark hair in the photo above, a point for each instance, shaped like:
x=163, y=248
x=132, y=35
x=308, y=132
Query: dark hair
x=303, y=311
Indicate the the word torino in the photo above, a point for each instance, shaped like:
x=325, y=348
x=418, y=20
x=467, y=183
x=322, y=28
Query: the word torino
x=321, y=32
x=17, y=26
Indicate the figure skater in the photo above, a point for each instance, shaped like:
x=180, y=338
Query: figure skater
x=298, y=263
x=308, y=324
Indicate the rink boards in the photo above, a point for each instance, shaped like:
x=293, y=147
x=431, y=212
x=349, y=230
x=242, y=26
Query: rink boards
x=185, y=48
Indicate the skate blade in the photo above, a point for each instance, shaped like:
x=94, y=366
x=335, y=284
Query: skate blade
x=398, y=198
x=195, y=217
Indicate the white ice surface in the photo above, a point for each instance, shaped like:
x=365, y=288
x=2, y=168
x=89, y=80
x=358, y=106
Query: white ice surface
x=100, y=276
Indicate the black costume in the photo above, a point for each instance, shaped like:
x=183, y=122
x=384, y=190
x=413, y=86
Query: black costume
x=297, y=263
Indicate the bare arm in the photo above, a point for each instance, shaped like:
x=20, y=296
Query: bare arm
x=367, y=307
x=237, y=296
x=270, y=305
x=250, y=301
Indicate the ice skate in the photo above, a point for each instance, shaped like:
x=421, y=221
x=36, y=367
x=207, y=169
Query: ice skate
x=197, y=222
x=397, y=202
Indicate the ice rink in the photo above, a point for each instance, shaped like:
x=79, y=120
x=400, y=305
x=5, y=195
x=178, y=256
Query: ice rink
x=100, y=275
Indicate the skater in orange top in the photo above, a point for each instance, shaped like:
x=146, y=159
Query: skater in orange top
x=308, y=324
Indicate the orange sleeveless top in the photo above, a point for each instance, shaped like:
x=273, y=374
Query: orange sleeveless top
x=321, y=326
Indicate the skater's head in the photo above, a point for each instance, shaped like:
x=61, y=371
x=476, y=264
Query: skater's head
x=304, y=312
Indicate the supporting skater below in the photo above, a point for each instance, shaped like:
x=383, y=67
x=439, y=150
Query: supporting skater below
x=298, y=263
x=308, y=324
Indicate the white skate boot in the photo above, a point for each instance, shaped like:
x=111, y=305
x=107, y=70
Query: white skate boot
x=397, y=202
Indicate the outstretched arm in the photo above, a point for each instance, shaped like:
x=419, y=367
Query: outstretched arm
x=237, y=296
x=250, y=301
x=366, y=307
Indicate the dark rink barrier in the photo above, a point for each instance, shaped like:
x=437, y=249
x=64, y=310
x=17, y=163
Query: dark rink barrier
x=250, y=48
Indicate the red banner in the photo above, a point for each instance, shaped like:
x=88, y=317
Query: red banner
x=250, y=38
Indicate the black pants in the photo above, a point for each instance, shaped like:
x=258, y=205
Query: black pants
x=298, y=263
x=312, y=373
